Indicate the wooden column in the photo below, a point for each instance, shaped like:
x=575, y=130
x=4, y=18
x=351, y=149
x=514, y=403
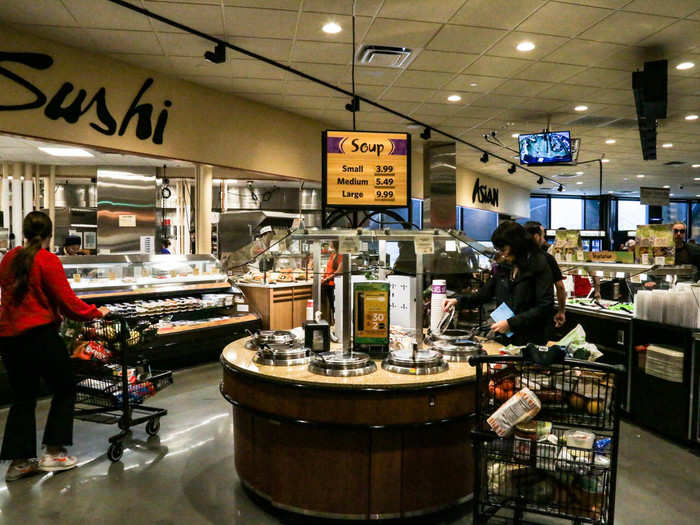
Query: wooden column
x=203, y=192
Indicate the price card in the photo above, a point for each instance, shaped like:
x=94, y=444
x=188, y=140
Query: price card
x=424, y=244
x=645, y=258
x=350, y=245
x=660, y=260
x=450, y=246
x=580, y=256
x=636, y=278
x=569, y=257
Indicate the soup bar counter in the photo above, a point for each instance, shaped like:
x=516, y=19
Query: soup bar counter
x=375, y=446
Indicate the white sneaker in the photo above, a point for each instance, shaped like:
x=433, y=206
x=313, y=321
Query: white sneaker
x=22, y=470
x=57, y=462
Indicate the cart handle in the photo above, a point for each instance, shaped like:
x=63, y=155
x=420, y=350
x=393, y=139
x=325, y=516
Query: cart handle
x=603, y=367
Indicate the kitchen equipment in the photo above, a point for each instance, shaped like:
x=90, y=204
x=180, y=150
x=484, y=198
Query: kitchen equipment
x=415, y=362
x=341, y=365
x=459, y=350
x=317, y=335
x=269, y=337
x=290, y=354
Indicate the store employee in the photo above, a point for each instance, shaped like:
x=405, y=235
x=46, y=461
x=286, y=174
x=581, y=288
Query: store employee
x=71, y=245
x=685, y=253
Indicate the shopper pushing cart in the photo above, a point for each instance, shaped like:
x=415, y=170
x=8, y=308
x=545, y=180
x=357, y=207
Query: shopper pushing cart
x=35, y=296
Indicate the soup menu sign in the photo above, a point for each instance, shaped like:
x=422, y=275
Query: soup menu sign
x=364, y=169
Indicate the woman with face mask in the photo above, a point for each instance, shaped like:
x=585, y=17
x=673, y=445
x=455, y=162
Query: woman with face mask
x=523, y=281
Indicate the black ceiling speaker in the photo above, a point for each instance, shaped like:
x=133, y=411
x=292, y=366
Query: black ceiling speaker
x=651, y=100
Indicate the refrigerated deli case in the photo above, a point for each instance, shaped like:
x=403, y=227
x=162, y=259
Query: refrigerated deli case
x=186, y=297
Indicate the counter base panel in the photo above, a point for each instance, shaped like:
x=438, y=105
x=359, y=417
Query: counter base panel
x=353, y=473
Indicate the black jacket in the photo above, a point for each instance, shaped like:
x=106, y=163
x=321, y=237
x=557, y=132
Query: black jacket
x=530, y=295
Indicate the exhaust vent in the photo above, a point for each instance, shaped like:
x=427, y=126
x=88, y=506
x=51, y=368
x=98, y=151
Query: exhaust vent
x=383, y=56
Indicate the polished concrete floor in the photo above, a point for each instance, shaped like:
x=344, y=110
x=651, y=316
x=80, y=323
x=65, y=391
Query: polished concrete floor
x=187, y=475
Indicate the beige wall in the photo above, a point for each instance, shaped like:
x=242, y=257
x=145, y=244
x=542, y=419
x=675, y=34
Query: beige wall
x=204, y=125
x=512, y=200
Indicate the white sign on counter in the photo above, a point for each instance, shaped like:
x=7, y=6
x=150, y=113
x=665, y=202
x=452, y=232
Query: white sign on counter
x=402, y=301
x=351, y=245
x=127, y=221
x=424, y=244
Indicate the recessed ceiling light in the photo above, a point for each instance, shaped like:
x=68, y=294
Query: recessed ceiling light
x=454, y=98
x=666, y=186
x=332, y=28
x=696, y=178
x=579, y=173
x=605, y=160
x=641, y=176
x=525, y=46
x=696, y=165
x=667, y=145
x=691, y=117
x=579, y=182
x=473, y=84
x=515, y=135
x=625, y=179
x=610, y=191
x=685, y=65
x=610, y=141
x=671, y=194
x=581, y=108
x=66, y=152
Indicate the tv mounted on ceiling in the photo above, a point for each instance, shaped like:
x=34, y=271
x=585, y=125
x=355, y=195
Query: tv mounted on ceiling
x=551, y=147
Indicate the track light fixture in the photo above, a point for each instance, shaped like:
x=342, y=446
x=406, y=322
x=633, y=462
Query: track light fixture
x=560, y=188
x=485, y=158
x=426, y=134
x=540, y=180
x=354, y=105
x=511, y=170
x=218, y=56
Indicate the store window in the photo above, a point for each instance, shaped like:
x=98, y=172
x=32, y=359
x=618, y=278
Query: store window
x=567, y=213
x=631, y=214
x=417, y=212
x=539, y=210
x=591, y=214
x=479, y=224
x=675, y=212
x=695, y=231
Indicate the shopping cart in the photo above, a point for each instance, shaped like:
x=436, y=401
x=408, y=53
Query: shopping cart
x=521, y=475
x=113, y=380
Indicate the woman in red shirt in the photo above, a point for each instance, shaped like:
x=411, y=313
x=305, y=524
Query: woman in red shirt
x=35, y=293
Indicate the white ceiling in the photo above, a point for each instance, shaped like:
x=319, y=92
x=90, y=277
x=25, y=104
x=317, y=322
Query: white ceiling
x=585, y=53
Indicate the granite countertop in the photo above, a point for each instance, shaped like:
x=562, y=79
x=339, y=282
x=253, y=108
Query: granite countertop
x=239, y=358
x=276, y=285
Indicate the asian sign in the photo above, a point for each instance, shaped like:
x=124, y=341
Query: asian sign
x=363, y=169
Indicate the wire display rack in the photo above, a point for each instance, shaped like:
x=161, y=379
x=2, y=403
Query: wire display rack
x=518, y=478
x=112, y=381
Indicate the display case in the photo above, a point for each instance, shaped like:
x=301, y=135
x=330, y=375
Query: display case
x=184, y=296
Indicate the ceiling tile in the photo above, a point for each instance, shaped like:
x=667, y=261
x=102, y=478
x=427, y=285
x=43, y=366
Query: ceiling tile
x=480, y=113
x=440, y=11
x=682, y=36
x=301, y=101
x=561, y=19
x=440, y=97
x=526, y=88
x=409, y=34
x=613, y=96
x=108, y=16
x=630, y=58
x=156, y=63
x=407, y=94
x=47, y=12
x=684, y=86
x=379, y=76
x=504, y=14
x=482, y=84
x=271, y=99
x=423, y=79
x=276, y=49
x=205, y=18
x=290, y=5
x=441, y=61
x=343, y=7
x=544, y=45
x=679, y=8
x=311, y=24
x=307, y=88
x=503, y=101
x=568, y=92
x=549, y=71
x=332, y=73
x=115, y=41
x=626, y=28
x=70, y=36
x=465, y=39
x=239, y=21
x=496, y=66
x=370, y=92
x=326, y=52
x=218, y=83
x=598, y=77
x=256, y=85
x=185, y=45
x=583, y=52
x=254, y=69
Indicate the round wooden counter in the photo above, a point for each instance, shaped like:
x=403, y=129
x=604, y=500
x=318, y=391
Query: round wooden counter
x=378, y=446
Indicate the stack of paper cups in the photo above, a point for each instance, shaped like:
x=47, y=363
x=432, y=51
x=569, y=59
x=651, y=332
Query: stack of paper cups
x=439, y=294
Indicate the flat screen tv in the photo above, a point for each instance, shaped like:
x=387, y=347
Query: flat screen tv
x=552, y=147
